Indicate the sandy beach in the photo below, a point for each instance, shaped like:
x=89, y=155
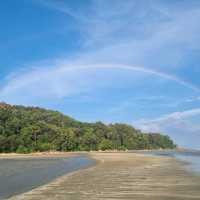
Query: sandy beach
x=122, y=176
x=39, y=155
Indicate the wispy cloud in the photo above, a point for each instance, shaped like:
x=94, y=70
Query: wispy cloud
x=119, y=35
x=115, y=35
x=173, y=116
x=179, y=125
x=193, y=99
x=60, y=7
x=132, y=34
x=157, y=37
x=66, y=79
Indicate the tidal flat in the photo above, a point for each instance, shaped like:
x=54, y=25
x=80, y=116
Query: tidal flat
x=19, y=174
x=123, y=176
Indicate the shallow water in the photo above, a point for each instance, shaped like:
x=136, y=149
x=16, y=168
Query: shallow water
x=191, y=157
x=23, y=174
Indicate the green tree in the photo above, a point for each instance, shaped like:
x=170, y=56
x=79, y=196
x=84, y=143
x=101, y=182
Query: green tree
x=27, y=129
x=105, y=145
x=89, y=140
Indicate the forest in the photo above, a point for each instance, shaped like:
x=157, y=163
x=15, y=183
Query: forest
x=32, y=129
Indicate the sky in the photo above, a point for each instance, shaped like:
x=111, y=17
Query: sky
x=128, y=61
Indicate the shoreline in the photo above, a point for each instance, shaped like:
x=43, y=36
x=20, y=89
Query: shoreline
x=40, y=155
x=121, y=175
x=69, y=153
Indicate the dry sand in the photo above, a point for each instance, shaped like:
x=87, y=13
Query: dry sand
x=123, y=176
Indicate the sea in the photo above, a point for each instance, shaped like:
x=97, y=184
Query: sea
x=191, y=157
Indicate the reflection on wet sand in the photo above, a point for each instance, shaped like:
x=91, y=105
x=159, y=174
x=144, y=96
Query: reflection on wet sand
x=23, y=174
x=123, y=176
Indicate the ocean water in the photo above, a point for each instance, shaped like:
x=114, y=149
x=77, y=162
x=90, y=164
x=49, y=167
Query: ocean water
x=22, y=175
x=192, y=158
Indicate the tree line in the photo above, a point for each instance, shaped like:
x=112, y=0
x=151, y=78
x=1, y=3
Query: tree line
x=30, y=129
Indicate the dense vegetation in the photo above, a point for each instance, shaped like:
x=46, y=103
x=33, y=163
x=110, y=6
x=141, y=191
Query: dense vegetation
x=28, y=129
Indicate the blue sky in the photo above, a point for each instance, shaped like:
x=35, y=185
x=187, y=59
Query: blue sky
x=116, y=61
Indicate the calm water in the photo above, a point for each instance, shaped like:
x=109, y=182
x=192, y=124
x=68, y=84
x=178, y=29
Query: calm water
x=191, y=157
x=21, y=175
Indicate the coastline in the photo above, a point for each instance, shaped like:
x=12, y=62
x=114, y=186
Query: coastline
x=50, y=154
x=122, y=175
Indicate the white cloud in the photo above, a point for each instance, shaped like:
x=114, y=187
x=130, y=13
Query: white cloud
x=60, y=7
x=117, y=35
x=124, y=33
x=178, y=115
x=154, y=124
x=157, y=36
x=66, y=79
x=179, y=125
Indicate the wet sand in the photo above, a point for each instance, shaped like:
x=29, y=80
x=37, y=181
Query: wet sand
x=122, y=176
x=49, y=154
x=24, y=173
